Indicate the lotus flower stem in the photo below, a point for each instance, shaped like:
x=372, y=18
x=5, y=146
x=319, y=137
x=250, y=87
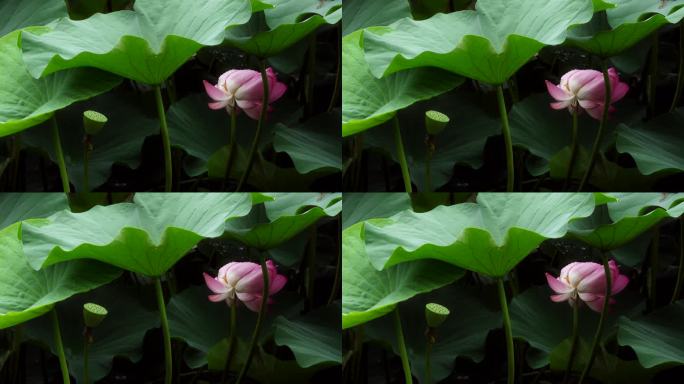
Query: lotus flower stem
x=231, y=342
x=59, y=346
x=680, y=75
x=57, y=143
x=338, y=268
x=262, y=310
x=166, y=141
x=401, y=344
x=575, y=337
x=573, y=150
x=168, y=357
x=604, y=311
x=510, y=166
x=653, y=75
x=262, y=118
x=401, y=155
x=231, y=148
x=507, y=329
x=680, y=270
x=653, y=269
x=602, y=125
x=338, y=74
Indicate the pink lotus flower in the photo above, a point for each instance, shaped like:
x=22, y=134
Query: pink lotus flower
x=586, y=281
x=244, y=281
x=243, y=89
x=585, y=89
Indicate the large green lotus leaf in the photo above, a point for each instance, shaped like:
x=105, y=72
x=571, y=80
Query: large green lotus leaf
x=313, y=145
x=147, y=236
x=16, y=207
x=147, y=44
x=119, y=142
x=313, y=338
x=25, y=101
x=15, y=15
x=657, y=337
x=463, y=334
x=545, y=324
x=656, y=145
x=489, y=237
x=363, y=206
x=191, y=307
x=368, y=101
x=282, y=25
x=368, y=293
x=488, y=44
x=624, y=25
x=620, y=222
x=26, y=293
x=120, y=334
x=359, y=14
x=462, y=141
x=277, y=221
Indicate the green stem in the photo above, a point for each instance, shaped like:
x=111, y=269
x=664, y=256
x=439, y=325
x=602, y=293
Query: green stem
x=680, y=75
x=57, y=143
x=680, y=270
x=66, y=379
x=653, y=75
x=86, y=349
x=653, y=270
x=599, y=134
x=508, y=331
x=338, y=74
x=573, y=150
x=575, y=337
x=166, y=141
x=428, y=160
x=408, y=378
x=338, y=267
x=260, y=319
x=428, y=367
x=508, y=142
x=231, y=148
x=599, y=328
x=168, y=358
x=86, y=159
x=260, y=123
x=231, y=341
x=401, y=155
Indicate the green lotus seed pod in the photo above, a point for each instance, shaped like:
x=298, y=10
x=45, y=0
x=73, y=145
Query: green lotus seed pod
x=93, y=122
x=435, y=314
x=93, y=314
x=435, y=122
